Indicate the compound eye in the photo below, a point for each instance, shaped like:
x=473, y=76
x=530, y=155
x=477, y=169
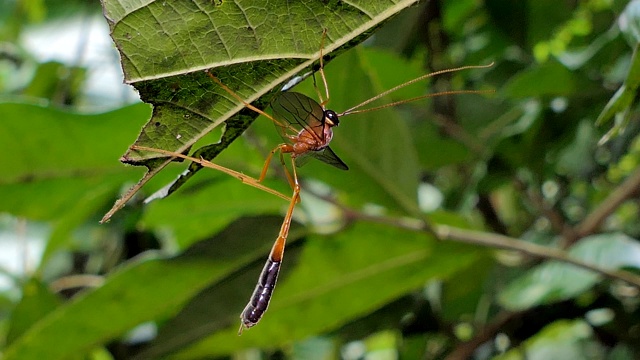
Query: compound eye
x=331, y=118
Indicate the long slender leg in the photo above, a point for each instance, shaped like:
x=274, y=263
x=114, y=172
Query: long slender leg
x=238, y=175
x=323, y=102
x=239, y=98
x=317, y=90
x=259, y=301
x=293, y=181
x=324, y=78
x=283, y=148
x=261, y=296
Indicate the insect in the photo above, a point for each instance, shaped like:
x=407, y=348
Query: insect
x=306, y=127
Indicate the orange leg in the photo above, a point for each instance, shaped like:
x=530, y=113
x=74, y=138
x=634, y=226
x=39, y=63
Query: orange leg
x=256, y=183
x=263, y=291
x=283, y=148
x=239, y=98
x=259, y=301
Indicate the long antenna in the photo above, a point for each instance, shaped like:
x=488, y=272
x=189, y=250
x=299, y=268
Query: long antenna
x=452, y=92
x=354, y=111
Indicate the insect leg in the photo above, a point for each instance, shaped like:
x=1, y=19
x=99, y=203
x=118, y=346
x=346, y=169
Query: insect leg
x=259, y=301
x=324, y=79
x=208, y=164
x=239, y=98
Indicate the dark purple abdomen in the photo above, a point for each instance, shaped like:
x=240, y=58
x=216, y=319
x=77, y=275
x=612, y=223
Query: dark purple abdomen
x=262, y=294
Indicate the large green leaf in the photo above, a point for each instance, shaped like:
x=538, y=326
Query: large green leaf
x=37, y=301
x=554, y=281
x=144, y=290
x=197, y=35
x=60, y=165
x=339, y=279
x=252, y=46
x=51, y=158
x=207, y=207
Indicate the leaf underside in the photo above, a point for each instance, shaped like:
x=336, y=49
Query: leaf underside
x=251, y=46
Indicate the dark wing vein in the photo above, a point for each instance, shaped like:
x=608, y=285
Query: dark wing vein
x=296, y=112
x=300, y=112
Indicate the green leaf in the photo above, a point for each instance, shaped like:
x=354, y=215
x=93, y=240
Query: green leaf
x=555, y=281
x=620, y=103
x=208, y=206
x=463, y=292
x=190, y=36
x=67, y=170
x=252, y=47
x=214, y=309
x=56, y=82
x=576, y=160
x=339, y=279
x=83, y=211
x=37, y=301
x=563, y=339
x=71, y=156
x=549, y=79
x=143, y=290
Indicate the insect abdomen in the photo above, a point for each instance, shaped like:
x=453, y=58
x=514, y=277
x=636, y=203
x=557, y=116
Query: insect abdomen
x=261, y=294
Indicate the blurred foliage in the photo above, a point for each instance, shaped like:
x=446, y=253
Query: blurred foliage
x=550, y=161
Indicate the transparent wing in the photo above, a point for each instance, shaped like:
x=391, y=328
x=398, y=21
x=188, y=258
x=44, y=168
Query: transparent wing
x=328, y=156
x=296, y=112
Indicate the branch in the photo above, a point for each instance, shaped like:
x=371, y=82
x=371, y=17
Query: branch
x=594, y=220
x=444, y=232
x=504, y=242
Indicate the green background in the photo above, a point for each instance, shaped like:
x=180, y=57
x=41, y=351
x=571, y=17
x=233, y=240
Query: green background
x=493, y=225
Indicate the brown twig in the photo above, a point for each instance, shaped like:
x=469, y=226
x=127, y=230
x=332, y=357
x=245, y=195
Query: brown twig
x=594, y=220
x=76, y=281
x=508, y=243
x=444, y=232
